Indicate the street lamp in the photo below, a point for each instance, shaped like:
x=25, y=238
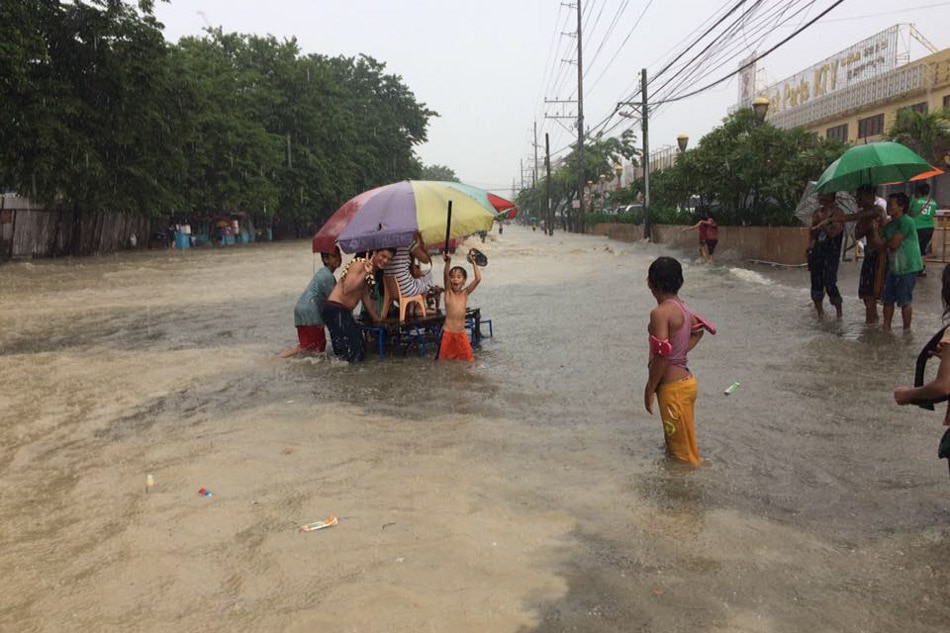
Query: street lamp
x=682, y=140
x=618, y=169
x=759, y=108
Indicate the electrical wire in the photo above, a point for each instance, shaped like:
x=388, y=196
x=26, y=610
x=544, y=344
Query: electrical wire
x=730, y=52
x=622, y=44
x=755, y=59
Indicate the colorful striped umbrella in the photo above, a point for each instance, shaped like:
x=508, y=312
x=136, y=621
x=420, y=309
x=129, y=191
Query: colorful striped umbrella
x=389, y=216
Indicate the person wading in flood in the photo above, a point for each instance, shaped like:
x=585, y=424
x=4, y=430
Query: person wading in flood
x=870, y=218
x=824, y=253
x=354, y=287
x=674, y=331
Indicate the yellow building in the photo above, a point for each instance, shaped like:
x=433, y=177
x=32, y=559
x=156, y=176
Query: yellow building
x=854, y=96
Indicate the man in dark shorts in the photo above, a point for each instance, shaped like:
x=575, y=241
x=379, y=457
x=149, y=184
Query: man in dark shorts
x=354, y=287
x=871, y=218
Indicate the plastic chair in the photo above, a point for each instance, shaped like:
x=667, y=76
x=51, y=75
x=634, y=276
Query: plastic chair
x=392, y=292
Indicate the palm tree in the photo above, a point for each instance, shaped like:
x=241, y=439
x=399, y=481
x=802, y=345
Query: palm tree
x=927, y=133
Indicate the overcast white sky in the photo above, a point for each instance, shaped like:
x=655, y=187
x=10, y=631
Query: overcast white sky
x=487, y=66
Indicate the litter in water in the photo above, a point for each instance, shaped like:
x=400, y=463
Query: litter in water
x=319, y=525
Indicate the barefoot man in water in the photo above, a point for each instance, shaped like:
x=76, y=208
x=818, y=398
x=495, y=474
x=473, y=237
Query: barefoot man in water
x=354, y=287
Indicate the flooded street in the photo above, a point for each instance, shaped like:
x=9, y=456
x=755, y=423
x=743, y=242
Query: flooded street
x=525, y=492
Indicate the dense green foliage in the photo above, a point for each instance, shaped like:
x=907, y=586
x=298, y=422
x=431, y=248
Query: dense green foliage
x=744, y=172
x=99, y=112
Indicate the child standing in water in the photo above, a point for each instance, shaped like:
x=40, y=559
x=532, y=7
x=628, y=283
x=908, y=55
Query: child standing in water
x=455, y=344
x=674, y=330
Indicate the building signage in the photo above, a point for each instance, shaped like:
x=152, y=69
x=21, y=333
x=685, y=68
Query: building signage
x=865, y=60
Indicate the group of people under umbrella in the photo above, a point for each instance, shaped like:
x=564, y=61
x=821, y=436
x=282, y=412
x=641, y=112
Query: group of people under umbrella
x=388, y=229
x=896, y=231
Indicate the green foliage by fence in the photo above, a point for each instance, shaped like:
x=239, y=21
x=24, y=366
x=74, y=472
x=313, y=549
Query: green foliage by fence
x=101, y=114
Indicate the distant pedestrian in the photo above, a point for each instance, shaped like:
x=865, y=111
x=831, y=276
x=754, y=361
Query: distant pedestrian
x=923, y=209
x=708, y=236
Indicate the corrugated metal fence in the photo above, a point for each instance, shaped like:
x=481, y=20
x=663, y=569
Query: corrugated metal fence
x=28, y=230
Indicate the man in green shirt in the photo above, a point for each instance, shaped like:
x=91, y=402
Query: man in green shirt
x=923, y=208
x=899, y=236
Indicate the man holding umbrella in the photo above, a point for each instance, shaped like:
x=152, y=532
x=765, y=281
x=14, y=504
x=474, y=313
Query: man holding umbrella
x=355, y=283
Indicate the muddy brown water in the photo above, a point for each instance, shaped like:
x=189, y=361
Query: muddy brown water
x=525, y=492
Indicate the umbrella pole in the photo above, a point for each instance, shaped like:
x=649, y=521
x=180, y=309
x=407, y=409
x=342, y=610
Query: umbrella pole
x=448, y=228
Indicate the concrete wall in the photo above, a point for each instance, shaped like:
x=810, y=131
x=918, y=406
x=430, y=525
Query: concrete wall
x=778, y=244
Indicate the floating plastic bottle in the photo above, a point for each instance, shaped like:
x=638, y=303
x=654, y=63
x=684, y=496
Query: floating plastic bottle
x=731, y=388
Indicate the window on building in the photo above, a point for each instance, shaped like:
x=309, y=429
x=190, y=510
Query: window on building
x=838, y=132
x=946, y=102
x=871, y=126
x=918, y=107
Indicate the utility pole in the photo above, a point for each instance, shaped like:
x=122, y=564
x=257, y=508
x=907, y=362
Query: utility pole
x=548, y=216
x=645, y=118
x=521, y=166
x=580, y=122
x=534, y=183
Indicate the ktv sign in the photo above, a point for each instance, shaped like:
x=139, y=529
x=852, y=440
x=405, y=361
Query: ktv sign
x=865, y=60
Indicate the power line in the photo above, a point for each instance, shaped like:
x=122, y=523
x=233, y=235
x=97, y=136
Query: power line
x=622, y=44
x=729, y=51
x=755, y=59
x=713, y=42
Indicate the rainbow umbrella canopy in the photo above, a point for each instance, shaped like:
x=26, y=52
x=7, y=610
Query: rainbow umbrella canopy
x=389, y=216
x=872, y=164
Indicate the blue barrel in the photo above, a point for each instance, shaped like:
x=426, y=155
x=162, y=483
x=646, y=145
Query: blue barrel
x=182, y=240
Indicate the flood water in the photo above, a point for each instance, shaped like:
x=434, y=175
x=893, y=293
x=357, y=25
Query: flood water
x=525, y=492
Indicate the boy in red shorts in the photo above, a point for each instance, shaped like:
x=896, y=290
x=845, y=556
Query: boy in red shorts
x=455, y=343
x=311, y=334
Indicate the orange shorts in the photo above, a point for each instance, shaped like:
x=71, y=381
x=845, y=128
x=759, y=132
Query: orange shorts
x=455, y=346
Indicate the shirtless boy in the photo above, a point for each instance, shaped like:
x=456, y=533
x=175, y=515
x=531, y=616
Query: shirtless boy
x=354, y=287
x=455, y=343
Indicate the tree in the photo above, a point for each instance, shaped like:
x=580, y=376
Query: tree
x=84, y=120
x=438, y=172
x=99, y=113
x=749, y=172
x=927, y=133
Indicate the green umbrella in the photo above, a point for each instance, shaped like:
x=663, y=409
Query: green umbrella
x=871, y=164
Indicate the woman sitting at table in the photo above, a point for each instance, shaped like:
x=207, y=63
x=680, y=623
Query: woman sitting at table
x=410, y=278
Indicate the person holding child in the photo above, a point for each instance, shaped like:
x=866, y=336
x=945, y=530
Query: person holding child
x=674, y=331
x=455, y=344
x=357, y=279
